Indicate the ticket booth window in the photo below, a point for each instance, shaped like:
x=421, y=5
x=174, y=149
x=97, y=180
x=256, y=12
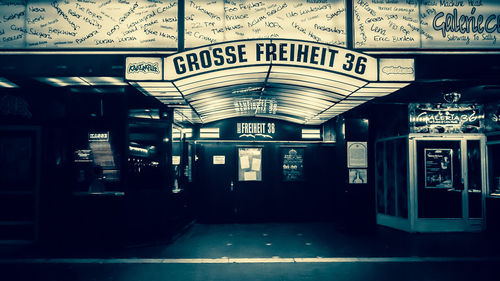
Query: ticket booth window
x=97, y=162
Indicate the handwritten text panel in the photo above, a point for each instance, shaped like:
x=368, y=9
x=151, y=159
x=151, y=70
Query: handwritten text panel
x=208, y=22
x=427, y=24
x=88, y=24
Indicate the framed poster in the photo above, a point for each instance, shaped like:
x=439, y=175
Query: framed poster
x=357, y=154
x=250, y=164
x=293, y=163
x=438, y=168
x=358, y=176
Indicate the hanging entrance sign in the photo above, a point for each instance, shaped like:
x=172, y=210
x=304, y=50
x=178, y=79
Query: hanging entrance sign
x=256, y=105
x=270, y=52
x=264, y=130
x=446, y=118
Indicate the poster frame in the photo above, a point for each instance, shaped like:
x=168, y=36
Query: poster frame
x=450, y=168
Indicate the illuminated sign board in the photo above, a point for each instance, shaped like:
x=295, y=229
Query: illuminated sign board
x=256, y=105
x=264, y=130
x=56, y=24
x=396, y=70
x=446, y=118
x=215, y=21
x=265, y=52
x=141, y=68
x=426, y=24
x=101, y=136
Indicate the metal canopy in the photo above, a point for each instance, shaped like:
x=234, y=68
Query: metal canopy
x=298, y=92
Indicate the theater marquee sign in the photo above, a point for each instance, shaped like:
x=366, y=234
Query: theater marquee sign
x=267, y=52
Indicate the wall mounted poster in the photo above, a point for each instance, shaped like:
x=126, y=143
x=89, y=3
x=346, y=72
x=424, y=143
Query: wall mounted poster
x=357, y=155
x=438, y=168
x=357, y=176
x=250, y=164
x=293, y=163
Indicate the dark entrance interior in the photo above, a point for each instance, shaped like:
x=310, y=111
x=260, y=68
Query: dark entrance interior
x=223, y=198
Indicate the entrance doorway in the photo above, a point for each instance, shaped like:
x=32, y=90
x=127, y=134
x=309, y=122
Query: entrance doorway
x=448, y=182
x=245, y=182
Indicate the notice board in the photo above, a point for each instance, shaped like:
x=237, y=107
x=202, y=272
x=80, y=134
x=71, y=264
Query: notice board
x=250, y=164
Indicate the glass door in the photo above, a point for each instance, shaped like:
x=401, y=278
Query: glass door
x=450, y=180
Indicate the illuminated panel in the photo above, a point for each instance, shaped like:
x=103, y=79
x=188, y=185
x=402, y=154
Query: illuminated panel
x=63, y=81
x=396, y=70
x=386, y=24
x=302, y=91
x=5, y=83
x=209, y=133
x=260, y=105
x=41, y=24
x=311, y=133
x=470, y=24
x=143, y=68
x=426, y=24
x=336, y=81
x=104, y=81
x=208, y=22
x=185, y=113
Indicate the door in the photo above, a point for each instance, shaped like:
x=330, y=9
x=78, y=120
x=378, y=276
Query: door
x=215, y=168
x=450, y=179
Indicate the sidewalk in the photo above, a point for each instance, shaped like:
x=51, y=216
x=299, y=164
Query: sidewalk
x=283, y=240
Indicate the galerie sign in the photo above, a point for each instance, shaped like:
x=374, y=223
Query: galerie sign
x=426, y=24
x=446, y=118
x=267, y=52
